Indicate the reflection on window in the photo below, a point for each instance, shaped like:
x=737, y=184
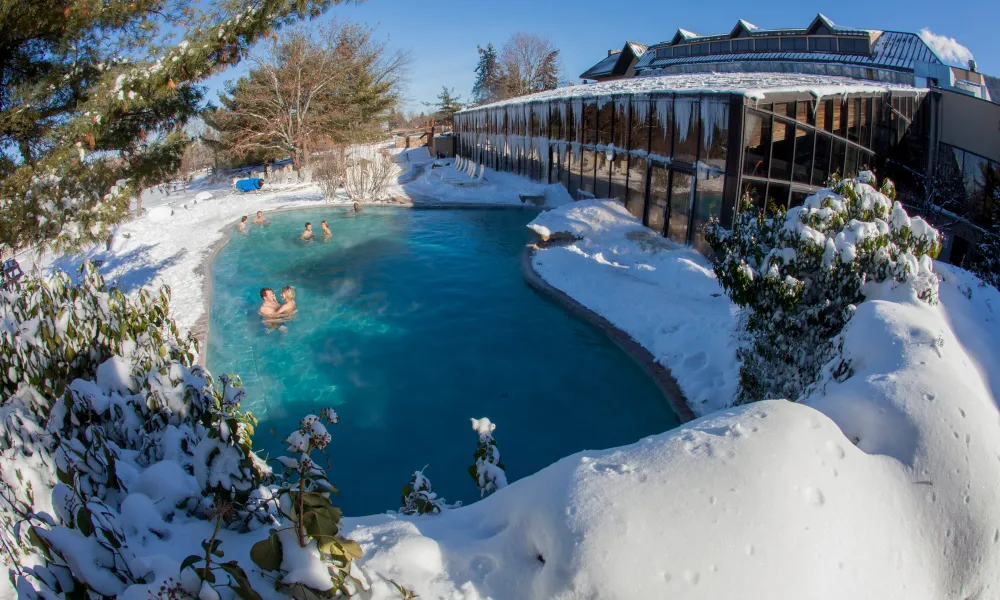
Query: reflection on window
x=605, y=116
x=686, y=132
x=680, y=207
x=661, y=119
x=619, y=176
x=587, y=171
x=781, y=153
x=635, y=201
x=757, y=143
x=589, y=134
x=659, y=192
x=639, y=138
x=602, y=182
x=621, y=123
x=707, y=204
x=715, y=132
x=821, y=162
x=803, y=155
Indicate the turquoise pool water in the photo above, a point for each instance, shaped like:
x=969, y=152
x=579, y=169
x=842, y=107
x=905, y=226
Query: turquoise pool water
x=411, y=322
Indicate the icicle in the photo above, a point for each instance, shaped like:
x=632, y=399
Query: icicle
x=663, y=112
x=640, y=104
x=682, y=117
x=713, y=113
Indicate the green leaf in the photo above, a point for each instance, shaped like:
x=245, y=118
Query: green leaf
x=266, y=553
x=242, y=588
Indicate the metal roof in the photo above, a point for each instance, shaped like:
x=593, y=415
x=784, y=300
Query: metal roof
x=893, y=50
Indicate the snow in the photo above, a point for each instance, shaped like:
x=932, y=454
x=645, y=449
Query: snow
x=751, y=85
x=883, y=485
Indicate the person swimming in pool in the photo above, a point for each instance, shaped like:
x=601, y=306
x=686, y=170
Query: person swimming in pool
x=307, y=233
x=269, y=308
x=288, y=308
x=326, y=230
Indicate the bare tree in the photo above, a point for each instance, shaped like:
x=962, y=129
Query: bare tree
x=307, y=91
x=528, y=63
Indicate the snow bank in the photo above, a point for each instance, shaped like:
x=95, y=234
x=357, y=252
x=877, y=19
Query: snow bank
x=665, y=296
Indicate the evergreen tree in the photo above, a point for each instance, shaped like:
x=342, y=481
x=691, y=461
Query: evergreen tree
x=447, y=105
x=487, y=86
x=93, y=100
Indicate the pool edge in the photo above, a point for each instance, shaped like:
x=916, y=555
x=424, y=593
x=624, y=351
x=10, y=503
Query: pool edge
x=661, y=375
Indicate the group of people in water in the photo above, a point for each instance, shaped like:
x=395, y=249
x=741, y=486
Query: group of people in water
x=273, y=313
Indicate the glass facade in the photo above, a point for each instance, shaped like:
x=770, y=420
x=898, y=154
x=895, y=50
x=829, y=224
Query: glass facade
x=677, y=161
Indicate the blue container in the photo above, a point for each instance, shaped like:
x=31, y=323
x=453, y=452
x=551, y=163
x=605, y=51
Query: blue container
x=249, y=185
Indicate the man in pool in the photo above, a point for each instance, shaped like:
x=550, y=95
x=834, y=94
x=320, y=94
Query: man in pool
x=307, y=234
x=288, y=308
x=326, y=230
x=260, y=220
x=242, y=227
x=269, y=308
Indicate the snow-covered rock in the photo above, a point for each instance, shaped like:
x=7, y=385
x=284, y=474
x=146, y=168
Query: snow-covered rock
x=159, y=213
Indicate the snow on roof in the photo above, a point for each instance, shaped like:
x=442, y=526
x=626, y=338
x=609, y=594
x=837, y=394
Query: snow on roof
x=751, y=85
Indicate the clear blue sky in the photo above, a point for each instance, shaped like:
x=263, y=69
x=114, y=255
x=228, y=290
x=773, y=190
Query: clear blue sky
x=442, y=36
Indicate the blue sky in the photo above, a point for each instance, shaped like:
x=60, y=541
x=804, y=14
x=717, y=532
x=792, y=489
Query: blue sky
x=442, y=36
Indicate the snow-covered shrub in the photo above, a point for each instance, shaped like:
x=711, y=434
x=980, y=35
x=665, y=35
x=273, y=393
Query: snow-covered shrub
x=488, y=472
x=801, y=273
x=419, y=497
x=53, y=331
x=311, y=557
x=110, y=415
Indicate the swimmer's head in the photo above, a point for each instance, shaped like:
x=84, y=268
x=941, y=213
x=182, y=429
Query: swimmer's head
x=266, y=293
x=288, y=292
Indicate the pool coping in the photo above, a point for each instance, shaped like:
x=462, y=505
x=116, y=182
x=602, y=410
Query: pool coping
x=200, y=329
x=660, y=374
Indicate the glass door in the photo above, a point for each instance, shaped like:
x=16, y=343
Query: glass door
x=679, y=214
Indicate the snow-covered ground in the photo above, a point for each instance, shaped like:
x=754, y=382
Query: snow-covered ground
x=886, y=485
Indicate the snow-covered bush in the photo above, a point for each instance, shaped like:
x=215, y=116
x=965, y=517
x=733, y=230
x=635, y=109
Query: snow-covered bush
x=488, y=472
x=311, y=557
x=110, y=428
x=799, y=275
x=419, y=497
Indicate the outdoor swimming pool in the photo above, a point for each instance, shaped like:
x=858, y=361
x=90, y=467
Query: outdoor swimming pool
x=410, y=322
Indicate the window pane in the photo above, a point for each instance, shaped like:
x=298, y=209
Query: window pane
x=686, y=121
x=837, y=160
x=851, y=166
x=639, y=138
x=781, y=154
x=853, y=108
x=619, y=176
x=589, y=134
x=587, y=171
x=803, y=155
x=574, y=170
x=601, y=183
x=661, y=128
x=605, y=114
x=777, y=197
x=680, y=207
x=757, y=141
x=707, y=204
x=715, y=132
x=656, y=210
x=821, y=162
x=636, y=200
x=621, y=123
